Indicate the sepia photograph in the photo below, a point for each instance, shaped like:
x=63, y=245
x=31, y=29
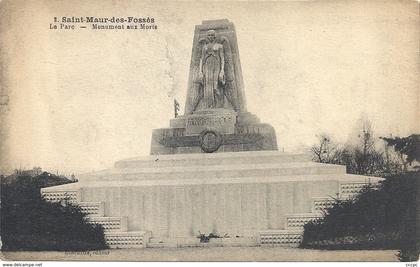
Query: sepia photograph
x=209, y=131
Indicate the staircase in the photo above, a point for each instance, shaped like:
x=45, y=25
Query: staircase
x=115, y=228
x=291, y=236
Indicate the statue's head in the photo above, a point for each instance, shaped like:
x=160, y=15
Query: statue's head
x=211, y=35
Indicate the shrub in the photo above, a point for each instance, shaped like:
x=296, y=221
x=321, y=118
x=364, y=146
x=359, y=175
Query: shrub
x=374, y=219
x=28, y=222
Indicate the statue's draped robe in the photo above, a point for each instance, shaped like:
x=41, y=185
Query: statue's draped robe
x=213, y=94
x=226, y=93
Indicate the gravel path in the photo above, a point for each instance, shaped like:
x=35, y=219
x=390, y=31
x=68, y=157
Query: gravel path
x=207, y=254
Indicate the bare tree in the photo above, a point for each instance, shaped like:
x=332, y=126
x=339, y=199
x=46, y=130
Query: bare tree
x=360, y=154
x=326, y=151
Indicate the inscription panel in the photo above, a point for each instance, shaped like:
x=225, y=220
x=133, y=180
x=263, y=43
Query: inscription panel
x=223, y=123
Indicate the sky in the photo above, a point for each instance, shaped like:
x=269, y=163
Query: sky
x=79, y=100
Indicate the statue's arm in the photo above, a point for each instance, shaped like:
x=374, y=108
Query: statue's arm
x=200, y=66
x=222, y=58
x=222, y=65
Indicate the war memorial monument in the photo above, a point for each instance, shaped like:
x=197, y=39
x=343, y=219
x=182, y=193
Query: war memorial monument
x=215, y=171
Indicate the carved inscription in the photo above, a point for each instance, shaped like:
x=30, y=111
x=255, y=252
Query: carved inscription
x=202, y=121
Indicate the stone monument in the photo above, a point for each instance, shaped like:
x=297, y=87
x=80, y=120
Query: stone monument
x=246, y=193
x=215, y=118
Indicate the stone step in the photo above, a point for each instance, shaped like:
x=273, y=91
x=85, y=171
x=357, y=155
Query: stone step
x=110, y=223
x=347, y=191
x=218, y=171
x=297, y=221
x=62, y=194
x=348, y=188
x=206, y=159
x=93, y=208
x=320, y=204
x=127, y=239
x=280, y=238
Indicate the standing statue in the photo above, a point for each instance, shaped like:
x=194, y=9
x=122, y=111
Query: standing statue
x=215, y=75
x=212, y=72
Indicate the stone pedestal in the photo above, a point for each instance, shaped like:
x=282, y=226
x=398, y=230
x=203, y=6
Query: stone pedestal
x=253, y=137
x=250, y=198
x=213, y=130
x=178, y=122
x=247, y=118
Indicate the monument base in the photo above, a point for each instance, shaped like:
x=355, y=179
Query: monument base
x=215, y=130
x=259, y=198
